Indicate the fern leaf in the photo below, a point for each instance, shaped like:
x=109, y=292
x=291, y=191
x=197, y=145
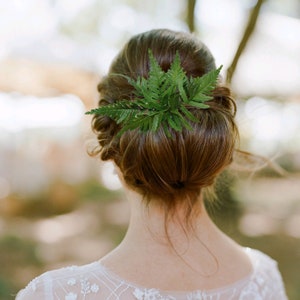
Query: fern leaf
x=162, y=99
x=188, y=114
x=185, y=123
x=174, y=124
x=204, y=85
x=198, y=104
x=157, y=119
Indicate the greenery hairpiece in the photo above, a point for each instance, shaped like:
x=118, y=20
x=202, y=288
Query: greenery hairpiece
x=162, y=99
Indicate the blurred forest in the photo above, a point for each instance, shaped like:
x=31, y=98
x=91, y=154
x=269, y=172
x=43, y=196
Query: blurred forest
x=58, y=206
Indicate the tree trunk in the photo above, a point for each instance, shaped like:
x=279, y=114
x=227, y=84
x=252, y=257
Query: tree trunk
x=246, y=36
x=190, y=19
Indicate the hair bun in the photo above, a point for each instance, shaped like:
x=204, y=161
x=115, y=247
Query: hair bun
x=222, y=96
x=178, y=185
x=171, y=169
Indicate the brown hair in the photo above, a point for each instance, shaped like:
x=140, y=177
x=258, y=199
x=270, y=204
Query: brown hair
x=173, y=170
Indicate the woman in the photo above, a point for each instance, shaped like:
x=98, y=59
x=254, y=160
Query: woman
x=168, y=126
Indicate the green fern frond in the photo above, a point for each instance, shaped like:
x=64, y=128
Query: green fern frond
x=162, y=99
x=201, y=87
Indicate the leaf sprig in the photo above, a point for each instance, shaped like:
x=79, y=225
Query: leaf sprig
x=162, y=99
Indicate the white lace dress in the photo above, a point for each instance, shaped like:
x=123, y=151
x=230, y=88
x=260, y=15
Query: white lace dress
x=94, y=281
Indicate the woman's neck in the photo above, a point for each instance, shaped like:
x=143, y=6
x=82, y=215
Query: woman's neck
x=150, y=224
x=199, y=250
x=150, y=236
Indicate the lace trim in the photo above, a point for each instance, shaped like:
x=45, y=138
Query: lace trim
x=197, y=294
x=95, y=280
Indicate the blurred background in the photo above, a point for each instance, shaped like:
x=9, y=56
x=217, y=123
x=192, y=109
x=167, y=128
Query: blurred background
x=58, y=206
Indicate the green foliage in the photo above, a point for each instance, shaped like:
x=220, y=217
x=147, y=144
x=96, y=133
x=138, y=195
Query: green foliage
x=162, y=99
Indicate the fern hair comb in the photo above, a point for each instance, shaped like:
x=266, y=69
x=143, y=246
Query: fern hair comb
x=162, y=99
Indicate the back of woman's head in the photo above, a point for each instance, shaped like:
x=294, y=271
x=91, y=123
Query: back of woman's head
x=170, y=170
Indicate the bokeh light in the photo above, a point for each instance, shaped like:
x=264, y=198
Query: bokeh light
x=55, y=198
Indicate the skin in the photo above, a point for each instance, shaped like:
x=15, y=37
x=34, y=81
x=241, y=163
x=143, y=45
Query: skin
x=199, y=258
